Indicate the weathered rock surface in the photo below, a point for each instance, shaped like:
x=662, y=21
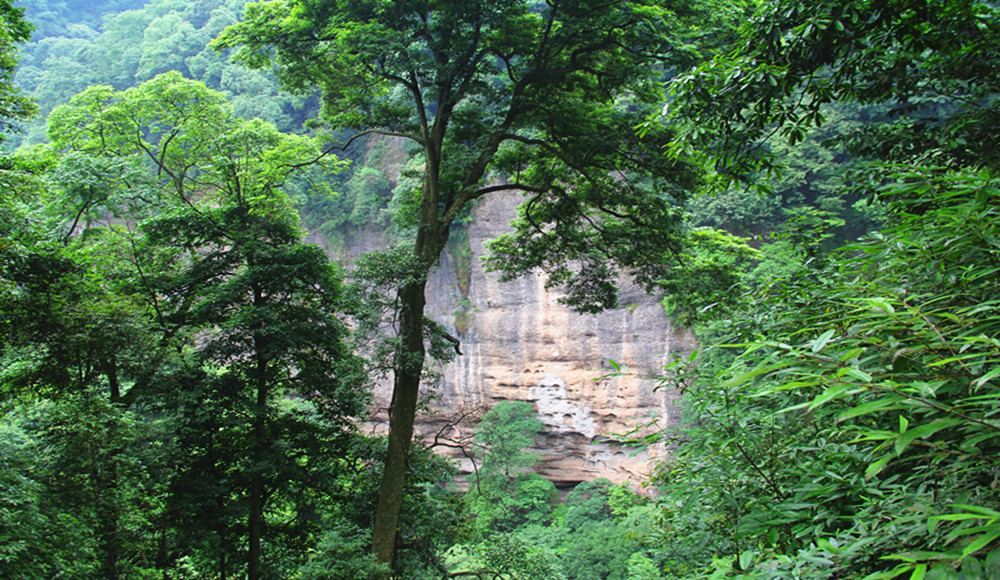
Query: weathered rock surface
x=519, y=342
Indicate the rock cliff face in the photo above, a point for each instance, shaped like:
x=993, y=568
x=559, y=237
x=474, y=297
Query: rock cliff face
x=519, y=342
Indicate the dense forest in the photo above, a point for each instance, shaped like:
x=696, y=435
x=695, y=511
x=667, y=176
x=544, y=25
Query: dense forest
x=807, y=184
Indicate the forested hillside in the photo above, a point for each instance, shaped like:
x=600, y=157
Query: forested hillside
x=808, y=185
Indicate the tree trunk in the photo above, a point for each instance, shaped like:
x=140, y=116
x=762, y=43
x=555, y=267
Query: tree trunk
x=256, y=526
x=403, y=409
x=255, y=523
x=107, y=522
x=432, y=235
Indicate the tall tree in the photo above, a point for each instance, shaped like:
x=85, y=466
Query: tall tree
x=519, y=95
x=272, y=303
x=203, y=256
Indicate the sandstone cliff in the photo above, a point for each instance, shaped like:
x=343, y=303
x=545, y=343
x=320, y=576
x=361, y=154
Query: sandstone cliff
x=519, y=342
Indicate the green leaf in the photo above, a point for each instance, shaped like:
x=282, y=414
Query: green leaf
x=822, y=340
x=832, y=393
x=993, y=561
x=858, y=374
x=982, y=541
x=889, y=574
x=877, y=467
x=825, y=544
x=978, y=383
x=957, y=517
x=923, y=431
x=747, y=376
x=880, y=303
x=870, y=407
x=942, y=571
x=957, y=358
x=978, y=509
x=971, y=568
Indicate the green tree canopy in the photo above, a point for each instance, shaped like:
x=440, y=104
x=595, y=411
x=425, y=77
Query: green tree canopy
x=504, y=494
x=926, y=64
x=521, y=95
x=14, y=29
x=176, y=280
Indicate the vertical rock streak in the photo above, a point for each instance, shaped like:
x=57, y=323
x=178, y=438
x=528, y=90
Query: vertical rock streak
x=521, y=343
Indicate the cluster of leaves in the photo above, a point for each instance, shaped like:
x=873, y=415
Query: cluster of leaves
x=811, y=179
x=925, y=62
x=504, y=494
x=65, y=510
x=856, y=433
x=203, y=391
x=369, y=194
x=845, y=424
x=58, y=17
x=599, y=532
x=124, y=43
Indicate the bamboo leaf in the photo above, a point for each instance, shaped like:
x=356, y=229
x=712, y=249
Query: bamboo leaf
x=869, y=407
x=831, y=393
x=858, y=374
x=977, y=509
x=923, y=431
x=747, y=376
x=822, y=340
x=877, y=467
x=982, y=541
x=986, y=378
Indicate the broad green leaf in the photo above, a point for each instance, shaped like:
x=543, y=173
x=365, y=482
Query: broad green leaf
x=942, y=571
x=993, y=561
x=827, y=545
x=971, y=568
